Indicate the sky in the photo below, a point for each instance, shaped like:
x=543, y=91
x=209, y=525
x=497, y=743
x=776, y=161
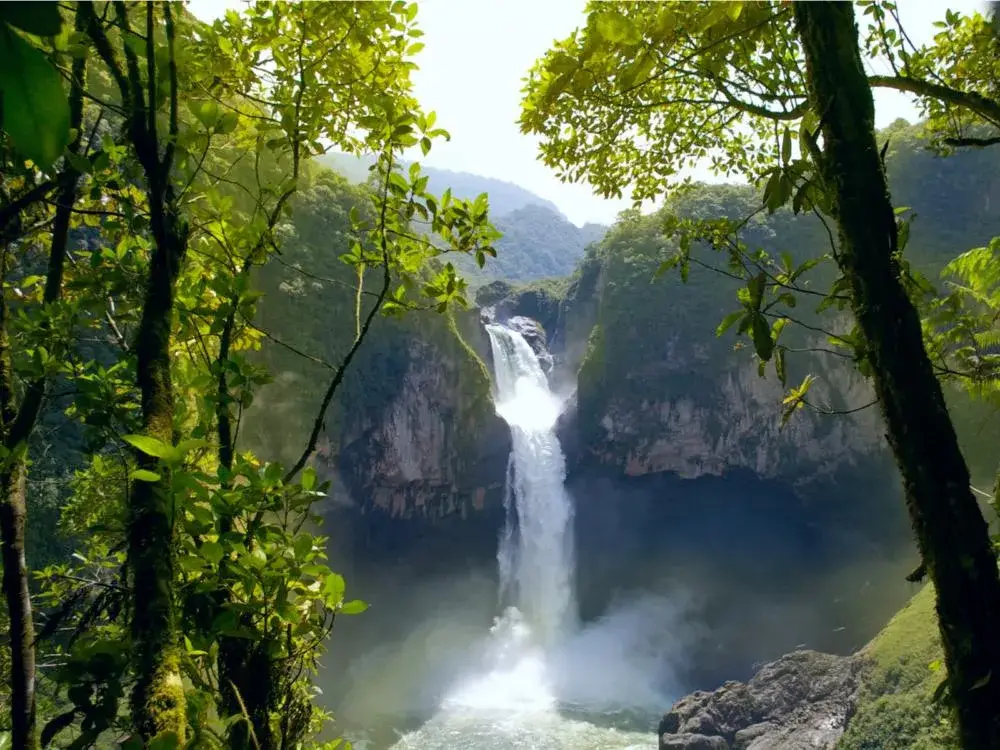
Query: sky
x=471, y=71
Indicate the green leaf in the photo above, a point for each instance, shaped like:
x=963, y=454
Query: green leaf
x=716, y=12
x=191, y=563
x=786, y=146
x=302, y=546
x=755, y=286
x=227, y=123
x=762, y=341
x=779, y=365
x=809, y=264
x=902, y=234
x=150, y=446
x=207, y=112
x=258, y=558
x=308, y=478
x=728, y=321
x=80, y=163
x=771, y=190
x=164, y=741
x=40, y=19
x=212, y=551
x=333, y=588
x=35, y=108
x=186, y=446
x=354, y=607
x=144, y=475
x=615, y=28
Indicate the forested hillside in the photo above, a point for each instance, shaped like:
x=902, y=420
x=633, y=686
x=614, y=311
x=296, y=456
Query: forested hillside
x=538, y=240
x=504, y=196
x=662, y=330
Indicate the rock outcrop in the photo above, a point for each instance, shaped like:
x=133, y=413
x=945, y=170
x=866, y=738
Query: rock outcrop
x=431, y=446
x=734, y=424
x=802, y=701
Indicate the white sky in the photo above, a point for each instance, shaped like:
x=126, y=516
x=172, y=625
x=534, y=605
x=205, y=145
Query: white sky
x=471, y=70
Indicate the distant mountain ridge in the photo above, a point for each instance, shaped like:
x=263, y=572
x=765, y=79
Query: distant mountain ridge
x=539, y=241
x=504, y=196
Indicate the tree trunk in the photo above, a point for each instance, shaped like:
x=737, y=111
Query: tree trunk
x=13, y=517
x=158, y=697
x=13, y=512
x=950, y=530
x=18, y=423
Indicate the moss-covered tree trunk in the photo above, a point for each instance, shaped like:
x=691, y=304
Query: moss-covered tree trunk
x=158, y=703
x=158, y=696
x=13, y=512
x=950, y=530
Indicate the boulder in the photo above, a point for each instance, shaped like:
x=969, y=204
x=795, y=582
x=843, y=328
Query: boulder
x=692, y=742
x=533, y=333
x=802, y=700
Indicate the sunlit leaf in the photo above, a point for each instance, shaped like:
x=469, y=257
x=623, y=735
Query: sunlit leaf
x=35, y=108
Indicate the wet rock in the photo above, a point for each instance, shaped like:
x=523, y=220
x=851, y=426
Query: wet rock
x=802, y=700
x=532, y=332
x=692, y=742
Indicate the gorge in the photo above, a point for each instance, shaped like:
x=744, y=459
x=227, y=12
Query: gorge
x=310, y=439
x=694, y=508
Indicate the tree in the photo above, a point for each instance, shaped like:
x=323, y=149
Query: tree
x=950, y=530
x=19, y=411
x=646, y=90
x=158, y=706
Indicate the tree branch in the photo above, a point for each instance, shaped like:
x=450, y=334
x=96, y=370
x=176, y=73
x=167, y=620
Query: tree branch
x=821, y=410
x=971, y=142
x=338, y=377
x=986, y=108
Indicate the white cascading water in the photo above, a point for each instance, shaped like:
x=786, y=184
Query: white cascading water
x=537, y=660
x=536, y=551
x=535, y=555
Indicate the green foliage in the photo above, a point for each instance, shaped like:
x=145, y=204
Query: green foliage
x=196, y=193
x=643, y=321
x=35, y=110
x=899, y=705
x=641, y=56
x=643, y=91
x=961, y=326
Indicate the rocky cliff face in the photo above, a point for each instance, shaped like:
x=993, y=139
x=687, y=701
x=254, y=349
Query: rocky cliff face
x=731, y=419
x=428, y=444
x=663, y=395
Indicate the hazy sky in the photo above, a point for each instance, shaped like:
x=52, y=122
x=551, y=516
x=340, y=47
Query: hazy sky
x=471, y=71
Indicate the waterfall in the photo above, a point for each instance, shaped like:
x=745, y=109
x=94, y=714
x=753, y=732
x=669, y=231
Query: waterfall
x=538, y=675
x=535, y=555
